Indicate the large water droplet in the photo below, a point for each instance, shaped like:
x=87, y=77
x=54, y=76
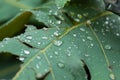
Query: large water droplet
x=61, y=65
x=26, y=52
x=112, y=76
x=108, y=47
x=58, y=43
x=21, y=58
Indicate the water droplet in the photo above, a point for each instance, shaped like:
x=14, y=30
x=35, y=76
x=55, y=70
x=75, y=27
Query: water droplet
x=112, y=76
x=108, y=47
x=86, y=55
x=39, y=43
x=5, y=39
x=39, y=75
x=56, y=53
x=72, y=13
x=117, y=34
x=58, y=43
x=61, y=65
x=50, y=11
x=56, y=13
x=50, y=21
x=38, y=57
x=44, y=28
x=44, y=37
x=26, y=51
x=58, y=22
x=82, y=29
x=77, y=20
x=30, y=28
x=106, y=22
x=79, y=16
x=46, y=70
x=92, y=44
x=88, y=22
x=51, y=56
x=107, y=18
x=37, y=66
x=74, y=35
x=56, y=33
x=29, y=37
x=21, y=58
x=69, y=54
x=89, y=38
x=83, y=40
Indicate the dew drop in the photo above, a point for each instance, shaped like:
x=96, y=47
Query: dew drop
x=56, y=33
x=51, y=56
x=86, y=55
x=61, y=65
x=77, y=20
x=30, y=28
x=39, y=43
x=106, y=22
x=92, y=44
x=58, y=43
x=56, y=53
x=108, y=47
x=82, y=29
x=89, y=38
x=44, y=28
x=5, y=39
x=37, y=66
x=44, y=37
x=38, y=57
x=79, y=16
x=29, y=37
x=112, y=76
x=26, y=52
x=69, y=54
x=21, y=58
x=74, y=35
x=117, y=34
x=39, y=75
x=88, y=22
x=83, y=40
x=107, y=18
x=58, y=22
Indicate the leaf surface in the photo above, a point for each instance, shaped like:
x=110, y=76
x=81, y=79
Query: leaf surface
x=53, y=53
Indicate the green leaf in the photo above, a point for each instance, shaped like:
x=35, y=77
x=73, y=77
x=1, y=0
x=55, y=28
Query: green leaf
x=22, y=5
x=86, y=48
x=15, y=25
